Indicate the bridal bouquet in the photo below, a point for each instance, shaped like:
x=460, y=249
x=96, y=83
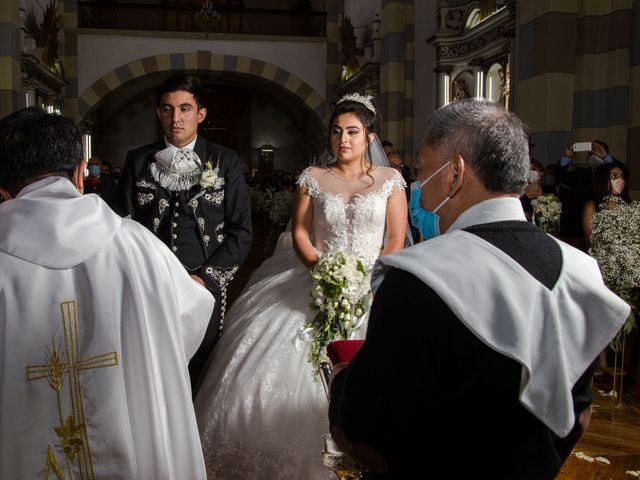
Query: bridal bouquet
x=340, y=295
x=615, y=244
x=546, y=212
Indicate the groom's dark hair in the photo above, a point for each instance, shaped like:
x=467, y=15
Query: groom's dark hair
x=187, y=83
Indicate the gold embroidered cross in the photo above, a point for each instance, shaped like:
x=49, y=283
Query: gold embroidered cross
x=57, y=366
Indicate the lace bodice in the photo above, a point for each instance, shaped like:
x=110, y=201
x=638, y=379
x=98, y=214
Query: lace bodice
x=349, y=216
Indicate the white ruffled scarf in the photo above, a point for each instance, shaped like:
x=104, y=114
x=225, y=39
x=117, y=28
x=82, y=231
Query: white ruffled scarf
x=176, y=168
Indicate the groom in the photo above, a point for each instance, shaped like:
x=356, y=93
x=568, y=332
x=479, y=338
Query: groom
x=191, y=194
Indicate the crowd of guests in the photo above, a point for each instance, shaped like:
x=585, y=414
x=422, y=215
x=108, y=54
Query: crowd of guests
x=580, y=188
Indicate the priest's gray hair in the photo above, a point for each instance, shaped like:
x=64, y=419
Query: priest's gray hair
x=492, y=140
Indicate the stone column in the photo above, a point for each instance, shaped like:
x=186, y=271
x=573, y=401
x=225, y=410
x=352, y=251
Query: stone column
x=396, y=74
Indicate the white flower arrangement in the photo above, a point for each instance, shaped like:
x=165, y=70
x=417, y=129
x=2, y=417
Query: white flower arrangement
x=615, y=244
x=261, y=199
x=281, y=207
x=547, y=209
x=210, y=178
x=340, y=294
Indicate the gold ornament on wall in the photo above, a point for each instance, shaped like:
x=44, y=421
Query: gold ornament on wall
x=350, y=51
x=45, y=33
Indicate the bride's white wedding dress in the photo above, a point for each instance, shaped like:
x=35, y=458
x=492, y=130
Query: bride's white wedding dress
x=260, y=414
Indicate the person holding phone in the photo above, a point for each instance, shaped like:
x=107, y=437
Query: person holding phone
x=576, y=182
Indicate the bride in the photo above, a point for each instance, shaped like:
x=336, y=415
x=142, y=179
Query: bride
x=260, y=413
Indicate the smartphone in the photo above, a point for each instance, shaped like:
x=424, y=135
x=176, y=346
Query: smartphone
x=582, y=147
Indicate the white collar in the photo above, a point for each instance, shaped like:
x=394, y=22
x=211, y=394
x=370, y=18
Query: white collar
x=176, y=168
x=488, y=211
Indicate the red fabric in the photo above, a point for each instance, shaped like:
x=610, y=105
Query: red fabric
x=92, y=181
x=343, y=350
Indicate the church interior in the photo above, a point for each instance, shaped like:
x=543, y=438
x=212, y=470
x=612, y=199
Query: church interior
x=273, y=69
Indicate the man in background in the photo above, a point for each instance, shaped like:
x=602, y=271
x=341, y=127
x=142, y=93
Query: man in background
x=98, y=321
x=99, y=182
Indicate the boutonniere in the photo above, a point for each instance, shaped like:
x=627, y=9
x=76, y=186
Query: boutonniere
x=210, y=178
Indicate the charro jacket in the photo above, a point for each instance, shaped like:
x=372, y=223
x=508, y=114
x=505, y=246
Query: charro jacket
x=209, y=230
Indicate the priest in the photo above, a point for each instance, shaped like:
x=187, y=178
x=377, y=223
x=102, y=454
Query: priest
x=99, y=320
x=481, y=341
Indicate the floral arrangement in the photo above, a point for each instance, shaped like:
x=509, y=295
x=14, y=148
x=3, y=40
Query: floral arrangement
x=210, y=178
x=340, y=295
x=615, y=244
x=261, y=199
x=281, y=207
x=547, y=209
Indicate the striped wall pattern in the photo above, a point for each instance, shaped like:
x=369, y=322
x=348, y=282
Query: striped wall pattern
x=333, y=54
x=577, y=76
x=11, y=98
x=396, y=75
x=91, y=98
x=68, y=48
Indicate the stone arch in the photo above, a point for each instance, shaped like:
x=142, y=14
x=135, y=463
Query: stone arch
x=92, y=97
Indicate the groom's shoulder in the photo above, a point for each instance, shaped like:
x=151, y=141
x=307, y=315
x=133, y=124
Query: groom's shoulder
x=219, y=149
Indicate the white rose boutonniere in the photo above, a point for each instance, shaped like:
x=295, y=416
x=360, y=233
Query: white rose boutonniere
x=210, y=178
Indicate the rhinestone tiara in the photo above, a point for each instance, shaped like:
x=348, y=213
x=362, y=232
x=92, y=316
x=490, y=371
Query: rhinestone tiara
x=356, y=97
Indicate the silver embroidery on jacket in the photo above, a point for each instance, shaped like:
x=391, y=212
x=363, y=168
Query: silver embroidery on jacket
x=162, y=204
x=222, y=276
x=144, y=198
x=145, y=184
x=219, y=235
x=215, y=197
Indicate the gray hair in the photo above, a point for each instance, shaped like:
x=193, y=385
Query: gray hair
x=493, y=141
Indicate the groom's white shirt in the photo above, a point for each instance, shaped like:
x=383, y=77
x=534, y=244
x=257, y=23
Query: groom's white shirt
x=98, y=322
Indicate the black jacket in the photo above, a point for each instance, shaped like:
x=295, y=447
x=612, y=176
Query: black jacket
x=208, y=230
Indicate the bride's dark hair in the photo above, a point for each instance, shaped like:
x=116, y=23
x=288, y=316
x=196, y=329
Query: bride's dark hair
x=366, y=117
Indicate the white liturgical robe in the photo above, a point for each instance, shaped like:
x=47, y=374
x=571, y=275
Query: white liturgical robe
x=98, y=321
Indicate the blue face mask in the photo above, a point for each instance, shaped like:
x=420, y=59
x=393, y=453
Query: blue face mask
x=94, y=170
x=426, y=221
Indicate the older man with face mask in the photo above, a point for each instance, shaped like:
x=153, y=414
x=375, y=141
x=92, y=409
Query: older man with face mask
x=479, y=350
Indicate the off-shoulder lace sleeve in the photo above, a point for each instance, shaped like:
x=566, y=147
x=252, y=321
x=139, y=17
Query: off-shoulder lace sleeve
x=396, y=182
x=306, y=180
